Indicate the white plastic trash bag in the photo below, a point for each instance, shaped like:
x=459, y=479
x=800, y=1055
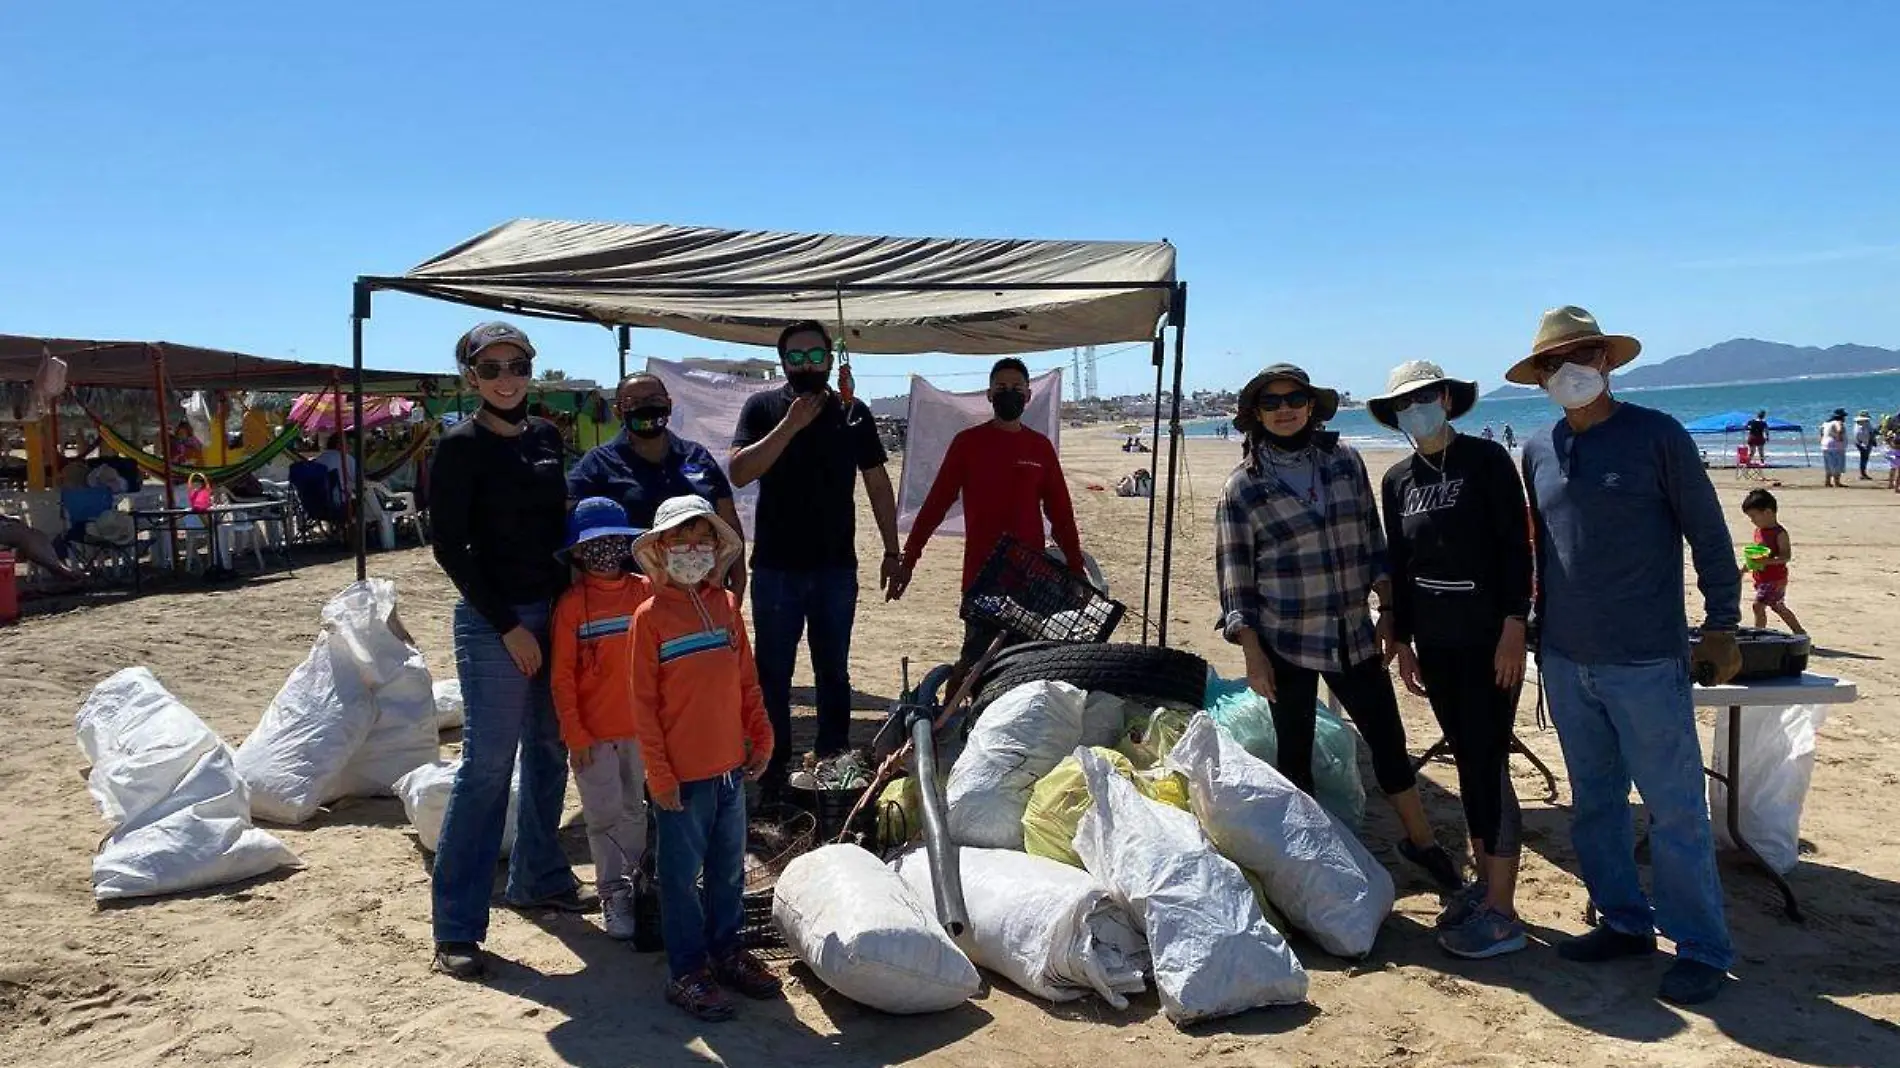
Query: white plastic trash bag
x=1041, y=924
x=180, y=814
x=357, y=714
x=1214, y=953
x=448, y=704
x=1018, y=739
x=1777, y=763
x=425, y=800
x=1314, y=871
x=862, y=929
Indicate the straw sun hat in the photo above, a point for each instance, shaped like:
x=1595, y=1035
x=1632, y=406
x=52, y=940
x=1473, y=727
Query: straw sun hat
x=1414, y=375
x=1563, y=329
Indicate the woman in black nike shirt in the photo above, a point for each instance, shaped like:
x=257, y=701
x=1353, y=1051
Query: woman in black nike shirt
x=1459, y=547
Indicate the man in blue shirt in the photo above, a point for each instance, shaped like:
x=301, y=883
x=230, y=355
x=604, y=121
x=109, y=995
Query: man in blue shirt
x=1615, y=489
x=647, y=464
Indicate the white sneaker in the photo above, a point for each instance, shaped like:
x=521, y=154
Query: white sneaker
x=616, y=908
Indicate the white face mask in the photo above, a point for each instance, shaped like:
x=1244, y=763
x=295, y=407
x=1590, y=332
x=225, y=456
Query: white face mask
x=689, y=565
x=1575, y=386
x=1422, y=422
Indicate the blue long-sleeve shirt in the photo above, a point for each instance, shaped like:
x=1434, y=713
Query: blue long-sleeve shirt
x=1613, y=506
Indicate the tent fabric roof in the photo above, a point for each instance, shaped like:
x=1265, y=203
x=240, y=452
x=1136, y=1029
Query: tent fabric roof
x=128, y=365
x=1733, y=423
x=900, y=295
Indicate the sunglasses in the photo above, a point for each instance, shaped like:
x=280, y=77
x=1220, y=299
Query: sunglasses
x=1273, y=402
x=1427, y=396
x=1552, y=362
x=817, y=357
x=519, y=368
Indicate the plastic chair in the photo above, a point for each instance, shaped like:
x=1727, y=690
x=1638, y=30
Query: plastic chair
x=82, y=507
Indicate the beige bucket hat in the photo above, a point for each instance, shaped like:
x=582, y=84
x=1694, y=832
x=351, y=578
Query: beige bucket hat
x=1414, y=375
x=1566, y=328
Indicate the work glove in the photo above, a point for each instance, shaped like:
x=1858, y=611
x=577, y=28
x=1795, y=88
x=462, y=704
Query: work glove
x=1715, y=658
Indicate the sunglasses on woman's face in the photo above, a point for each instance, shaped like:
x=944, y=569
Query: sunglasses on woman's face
x=817, y=357
x=1273, y=402
x=1551, y=363
x=1428, y=396
x=519, y=368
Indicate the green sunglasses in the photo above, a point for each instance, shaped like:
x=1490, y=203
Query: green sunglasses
x=807, y=357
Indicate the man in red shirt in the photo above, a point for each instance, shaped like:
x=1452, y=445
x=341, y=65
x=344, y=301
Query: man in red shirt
x=1008, y=476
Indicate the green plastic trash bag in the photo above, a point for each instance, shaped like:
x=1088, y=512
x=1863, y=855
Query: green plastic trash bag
x=1245, y=716
x=1059, y=798
x=1147, y=740
x=900, y=814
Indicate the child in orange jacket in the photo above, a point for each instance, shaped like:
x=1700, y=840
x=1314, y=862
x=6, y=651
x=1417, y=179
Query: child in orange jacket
x=591, y=636
x=701, y=723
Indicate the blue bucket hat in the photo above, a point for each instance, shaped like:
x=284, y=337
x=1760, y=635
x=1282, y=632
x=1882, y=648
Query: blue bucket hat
x=596, y=517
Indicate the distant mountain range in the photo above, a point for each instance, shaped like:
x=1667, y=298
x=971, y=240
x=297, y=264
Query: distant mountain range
x=1745, y=359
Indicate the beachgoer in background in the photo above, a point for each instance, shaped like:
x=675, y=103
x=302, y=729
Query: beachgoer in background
x=1008, y=477
x=648, y=463
x=807, y=449
x=1890, y=441
x=1834, y=448
x=1864, y=439
x=590, y=674
x=499, y=502
x=1298, y=555
x=338, y=456
x=1756, y=430
x=1138, y=483
x=1770, y=569
x=702, y=725
x=37, y=547
x=1487, y=435
x=1460, y=555
x=186, y=448
x=1615, y=489
x=1510, y=437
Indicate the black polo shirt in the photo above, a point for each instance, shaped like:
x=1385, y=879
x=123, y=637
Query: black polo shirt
x=807, y=513
x=618, y=473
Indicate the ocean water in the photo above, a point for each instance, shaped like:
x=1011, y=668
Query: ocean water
x=1806, y=401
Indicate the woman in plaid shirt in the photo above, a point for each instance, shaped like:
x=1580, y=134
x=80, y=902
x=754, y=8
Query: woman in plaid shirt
x=1299, y=551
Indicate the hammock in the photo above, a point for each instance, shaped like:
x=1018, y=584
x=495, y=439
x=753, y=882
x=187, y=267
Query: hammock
x=217, y=476
x=381, y=468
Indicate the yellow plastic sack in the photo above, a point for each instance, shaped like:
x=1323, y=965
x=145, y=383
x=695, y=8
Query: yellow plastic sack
x=1148, y=738
x=1060, y=797
x=900, y=813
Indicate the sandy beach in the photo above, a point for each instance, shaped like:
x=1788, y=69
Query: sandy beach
x=330, y=964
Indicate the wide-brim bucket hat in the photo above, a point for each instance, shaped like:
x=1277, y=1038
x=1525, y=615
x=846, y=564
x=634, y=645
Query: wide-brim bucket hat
x=1247, y=419
x=595, y=517
x=677, y=512
x=1566, y=328
x=1412, y=376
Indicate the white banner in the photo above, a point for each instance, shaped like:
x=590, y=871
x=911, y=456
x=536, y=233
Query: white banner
x=938, y=415
x=706, y=407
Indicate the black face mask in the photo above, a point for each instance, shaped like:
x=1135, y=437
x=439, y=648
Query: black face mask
x=647, y=421
x=510, y=416
x=808, y=381
x=1009, y=404
x=1292, y=442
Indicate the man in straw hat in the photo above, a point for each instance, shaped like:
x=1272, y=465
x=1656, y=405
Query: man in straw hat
x=1460, y=556
x=1615, y=489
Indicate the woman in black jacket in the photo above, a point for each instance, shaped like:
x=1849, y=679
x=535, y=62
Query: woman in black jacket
x=1459, y=548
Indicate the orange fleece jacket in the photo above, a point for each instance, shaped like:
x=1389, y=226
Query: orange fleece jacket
x=696, y=700
x=590, y=666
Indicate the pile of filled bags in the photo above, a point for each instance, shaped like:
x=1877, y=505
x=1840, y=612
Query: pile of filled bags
x=1104, y=846
x=359, y=717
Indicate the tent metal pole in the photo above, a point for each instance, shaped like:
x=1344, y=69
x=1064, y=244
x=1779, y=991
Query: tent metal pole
x=625, y=336
x=359, y=311
x=1179, y=316
x=170, y=504
x=1148, y=566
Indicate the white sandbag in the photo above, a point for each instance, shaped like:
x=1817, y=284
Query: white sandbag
x=181, y=816
x=1315, y=872
x=356, y=715
x=1018, y=739
x=425, y=800
x=1214, y=953
x=1106, y=716
x=448, y=704
x=1777, y=763
x=862, y=929
x=1041, y=924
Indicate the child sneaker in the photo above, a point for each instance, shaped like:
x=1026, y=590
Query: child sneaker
x=748, y=975
x=1488, y=933
x=700, y=997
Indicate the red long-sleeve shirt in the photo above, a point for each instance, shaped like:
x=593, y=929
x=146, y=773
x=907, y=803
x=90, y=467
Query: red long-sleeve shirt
x=1008, y=479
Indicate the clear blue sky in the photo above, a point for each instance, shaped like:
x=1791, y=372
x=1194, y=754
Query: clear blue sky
x=1349, y=185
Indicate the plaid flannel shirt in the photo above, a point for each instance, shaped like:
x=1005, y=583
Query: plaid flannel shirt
x=1301, y=574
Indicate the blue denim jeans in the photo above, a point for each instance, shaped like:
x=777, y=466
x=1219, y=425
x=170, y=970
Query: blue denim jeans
x=504, y=712
x=1618, y=722
x=700, y=920
x=785, y=606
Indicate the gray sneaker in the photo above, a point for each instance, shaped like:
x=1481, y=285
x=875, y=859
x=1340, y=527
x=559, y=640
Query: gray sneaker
x=1461, y=907
x=1488, y=933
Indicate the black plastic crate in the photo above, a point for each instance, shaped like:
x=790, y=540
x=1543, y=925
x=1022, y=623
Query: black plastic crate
x=1034, y=597
x=830, y=809
x=795, y=831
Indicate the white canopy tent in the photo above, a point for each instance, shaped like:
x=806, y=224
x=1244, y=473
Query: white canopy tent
x=881, y=295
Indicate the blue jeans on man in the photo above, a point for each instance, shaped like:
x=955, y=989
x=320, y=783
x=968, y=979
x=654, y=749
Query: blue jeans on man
x=820, y=604
x=1623, y=722
x=702, y=873
x=505, y=713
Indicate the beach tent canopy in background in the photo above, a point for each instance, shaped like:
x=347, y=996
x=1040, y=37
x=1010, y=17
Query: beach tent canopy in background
x=128, y=365
x=316, y=412
x=900, y=295
x=1734, y=423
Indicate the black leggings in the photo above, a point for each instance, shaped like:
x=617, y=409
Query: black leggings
x=1365, y=691
x=1477, y=719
